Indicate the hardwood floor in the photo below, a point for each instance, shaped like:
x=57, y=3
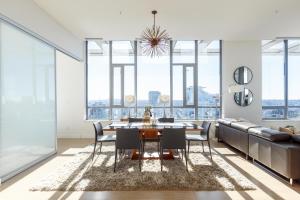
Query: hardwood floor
x=269, y=185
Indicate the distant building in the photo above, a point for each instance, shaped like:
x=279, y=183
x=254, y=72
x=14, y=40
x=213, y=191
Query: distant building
x=153, y=97
x=190, y=95
x=97, y=113
x=205, y=99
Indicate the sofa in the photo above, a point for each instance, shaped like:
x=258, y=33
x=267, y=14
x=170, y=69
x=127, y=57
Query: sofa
x=276, y=150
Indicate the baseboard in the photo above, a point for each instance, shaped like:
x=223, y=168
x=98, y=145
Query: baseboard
x=74, y=135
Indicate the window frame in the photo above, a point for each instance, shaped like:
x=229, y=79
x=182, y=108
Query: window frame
x=194, y=65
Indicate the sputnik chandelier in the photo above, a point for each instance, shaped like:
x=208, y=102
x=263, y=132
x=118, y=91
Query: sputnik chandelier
x=154, y=41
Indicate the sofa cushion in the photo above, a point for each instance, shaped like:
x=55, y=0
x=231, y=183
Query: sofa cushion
x=274, y=135
x=227, y=121
x=256, y=131
x=244, y=126
x=296, y=138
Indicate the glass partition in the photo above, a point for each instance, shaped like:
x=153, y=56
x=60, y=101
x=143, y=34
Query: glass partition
x=27, y=104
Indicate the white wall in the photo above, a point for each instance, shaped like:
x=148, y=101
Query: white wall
x=27, y=14
x=235, y=54
x=71, y=99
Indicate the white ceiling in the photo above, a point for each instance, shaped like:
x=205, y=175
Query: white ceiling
x=183, y=19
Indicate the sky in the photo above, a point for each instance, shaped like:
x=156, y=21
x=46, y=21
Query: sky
x=153, y=74
x=273, y=77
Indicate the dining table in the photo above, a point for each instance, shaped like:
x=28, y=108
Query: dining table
x=144, y=126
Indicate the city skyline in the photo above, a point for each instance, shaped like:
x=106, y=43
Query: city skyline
x=97, y=109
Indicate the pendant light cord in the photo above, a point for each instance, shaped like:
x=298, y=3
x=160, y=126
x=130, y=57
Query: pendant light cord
x=154, y=12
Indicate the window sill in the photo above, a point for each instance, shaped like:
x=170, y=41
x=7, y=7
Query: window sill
x=181, y=120
x=280, y=120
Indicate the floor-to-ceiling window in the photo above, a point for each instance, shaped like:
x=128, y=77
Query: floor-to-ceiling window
x=123, y=69
x=293, y=111
x=98, y=90
x=184, y=79
x=27, y=103
x=209, y=73
x=153, y=80
x=280, y=66
x=187, y=76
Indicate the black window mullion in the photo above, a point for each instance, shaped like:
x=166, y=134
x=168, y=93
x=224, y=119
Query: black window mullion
x=196, y=80
x=86, y=79
x=135, y=76
x=184, y=85
x=110, y=80
x=220, y=76
x=171, y=77
x=122, y=86
x=285, y=78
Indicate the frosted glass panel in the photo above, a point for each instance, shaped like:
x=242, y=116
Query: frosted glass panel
x=27, y=104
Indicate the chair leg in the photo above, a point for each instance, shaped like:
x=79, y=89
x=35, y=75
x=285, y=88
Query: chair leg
x=202, y=146
x=158, y=147
x=100, y=146
x=185, y=160
x=94, y=150
x=161, y=159
x=189, y=146
x=116, y=153
x=209, y=148
x=140, y=164
x=143, y=146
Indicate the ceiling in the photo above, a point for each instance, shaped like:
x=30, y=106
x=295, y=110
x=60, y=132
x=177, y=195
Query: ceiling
x=183, y=19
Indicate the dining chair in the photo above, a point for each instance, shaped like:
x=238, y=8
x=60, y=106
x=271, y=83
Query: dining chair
x=166, y=120
x=100, y=137
x=150, y=135
x=173, y=138
x=134, y=119
x=128, y=139
x=202, y=137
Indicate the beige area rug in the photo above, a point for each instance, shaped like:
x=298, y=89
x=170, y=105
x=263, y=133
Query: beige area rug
x=82, y=174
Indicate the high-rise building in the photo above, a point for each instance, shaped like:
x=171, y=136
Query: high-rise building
x=153, y=97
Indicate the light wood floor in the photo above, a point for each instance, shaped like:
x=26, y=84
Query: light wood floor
x=270, y=186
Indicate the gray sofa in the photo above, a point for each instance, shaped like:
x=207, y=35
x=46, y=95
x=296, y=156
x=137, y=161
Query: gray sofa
x=235, y=133
x=274, y=149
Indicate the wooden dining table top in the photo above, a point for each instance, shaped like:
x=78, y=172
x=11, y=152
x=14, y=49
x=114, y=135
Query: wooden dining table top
x=159, y=126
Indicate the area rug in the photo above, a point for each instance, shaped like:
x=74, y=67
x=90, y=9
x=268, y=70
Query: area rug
x=83, y=174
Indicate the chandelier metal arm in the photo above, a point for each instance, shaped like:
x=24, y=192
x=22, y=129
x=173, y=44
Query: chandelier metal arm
x=155, y=42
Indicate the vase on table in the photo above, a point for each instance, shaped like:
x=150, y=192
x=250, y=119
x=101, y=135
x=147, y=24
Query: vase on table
x=147, y=114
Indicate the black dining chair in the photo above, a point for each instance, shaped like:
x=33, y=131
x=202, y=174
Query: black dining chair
x=134, y=119
x=128, y=139
x=100, y=137
x=202, y=137
x=173, y=138
x=166, y=120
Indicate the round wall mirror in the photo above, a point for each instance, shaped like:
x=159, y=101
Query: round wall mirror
x=243, y=98
x=243, y=75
